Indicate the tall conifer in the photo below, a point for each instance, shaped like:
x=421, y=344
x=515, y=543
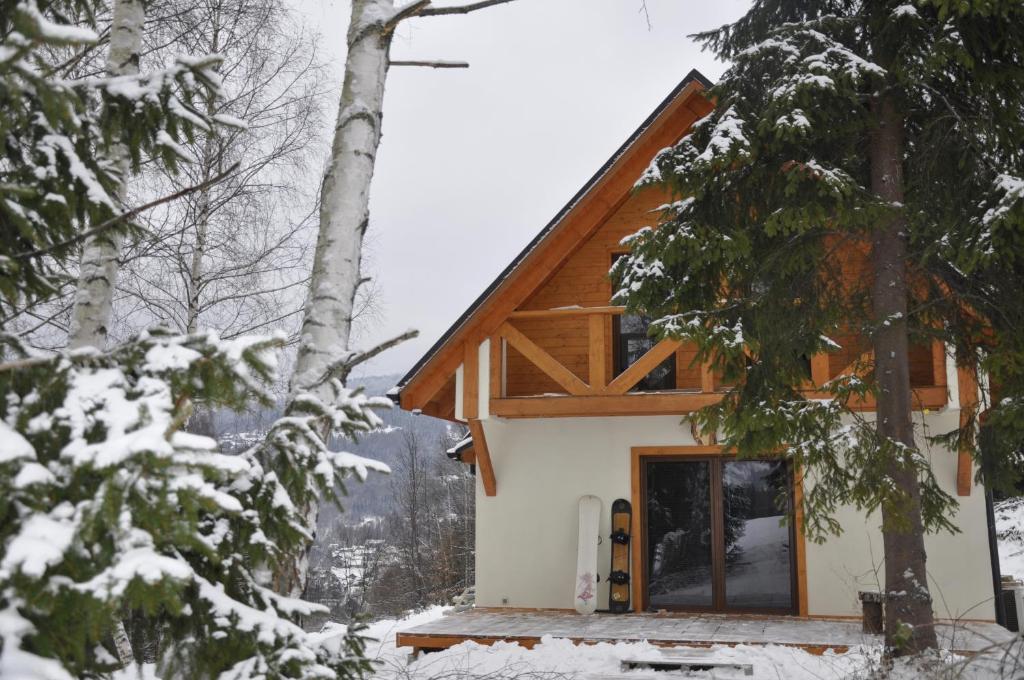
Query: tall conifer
x=861, y=175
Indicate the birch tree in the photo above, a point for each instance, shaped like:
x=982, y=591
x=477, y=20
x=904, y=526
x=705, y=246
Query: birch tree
x=94, y=295
x=234, y=256
x=344, y=199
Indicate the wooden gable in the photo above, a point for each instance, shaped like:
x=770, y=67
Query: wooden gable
x=549, y=321
x=601, y=198
x=582, y=281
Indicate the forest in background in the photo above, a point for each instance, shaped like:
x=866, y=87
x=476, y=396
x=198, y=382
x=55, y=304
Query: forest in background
x=400, y=541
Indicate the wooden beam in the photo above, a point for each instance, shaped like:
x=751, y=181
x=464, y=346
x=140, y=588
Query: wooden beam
x=483, y=458
x=707, y=377
x=938, y=362
x=819, y=369
x=544, y=361
x=967, y=376
x=564, y=311
x=596, y=352
x=801, y=541
x=650, y=403
x=857, y=366
x=638, y=540
x=663, y=403
x=471, y=380
x=642, y=366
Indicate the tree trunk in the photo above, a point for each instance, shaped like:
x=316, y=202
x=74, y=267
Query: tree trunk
x=345, y=195
x=97, y=277
x=344, y=216
x=907, y=602
x=195, y=271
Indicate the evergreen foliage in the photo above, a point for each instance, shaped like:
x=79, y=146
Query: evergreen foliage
x=773, y=184
x=106, y=505
x=861, y=175
x=109, y=510
x=57, y=137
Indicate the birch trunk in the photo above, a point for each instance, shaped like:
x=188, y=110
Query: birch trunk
x=94, y=295
x=210, y=160
x=344, y=216
x=344, y=208
x=909, y=623
x=345, y=195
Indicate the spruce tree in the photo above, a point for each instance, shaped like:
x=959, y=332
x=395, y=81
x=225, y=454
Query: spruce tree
x=859, y=175
x=108, y=508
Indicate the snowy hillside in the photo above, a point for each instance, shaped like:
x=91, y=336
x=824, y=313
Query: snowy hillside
x=1010, y=529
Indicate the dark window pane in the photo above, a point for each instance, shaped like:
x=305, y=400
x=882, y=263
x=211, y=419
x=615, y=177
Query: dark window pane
x=757, y=546
x=679, y=534
x=633, y=343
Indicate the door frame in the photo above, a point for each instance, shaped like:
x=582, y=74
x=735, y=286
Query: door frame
x=638, y=454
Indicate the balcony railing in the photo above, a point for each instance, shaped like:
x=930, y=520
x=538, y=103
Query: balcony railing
x=595, y=392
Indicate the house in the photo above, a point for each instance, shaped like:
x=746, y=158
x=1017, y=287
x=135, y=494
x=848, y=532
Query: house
x=565, y=395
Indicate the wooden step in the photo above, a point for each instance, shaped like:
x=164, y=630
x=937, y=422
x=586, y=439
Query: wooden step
x=688, y=662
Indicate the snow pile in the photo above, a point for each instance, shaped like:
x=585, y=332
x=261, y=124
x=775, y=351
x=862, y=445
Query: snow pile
x=1010, y=530
x=560, y=659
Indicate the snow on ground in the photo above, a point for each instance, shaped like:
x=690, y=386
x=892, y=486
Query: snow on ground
x=1010, y=529
x=560, y=659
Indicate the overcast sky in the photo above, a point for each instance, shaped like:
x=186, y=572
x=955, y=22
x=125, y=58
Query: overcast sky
x=475, y=162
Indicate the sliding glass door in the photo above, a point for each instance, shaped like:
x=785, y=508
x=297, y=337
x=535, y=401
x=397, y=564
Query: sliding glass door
x=714, y=536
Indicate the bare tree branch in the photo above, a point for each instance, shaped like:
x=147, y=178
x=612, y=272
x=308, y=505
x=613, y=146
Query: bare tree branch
x=114, y=221
x=431, y=64
x=647, y=15
x=341, y=368
x=410, y=10
x=459, y=9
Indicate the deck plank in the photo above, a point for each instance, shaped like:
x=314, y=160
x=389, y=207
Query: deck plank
x=816, y=635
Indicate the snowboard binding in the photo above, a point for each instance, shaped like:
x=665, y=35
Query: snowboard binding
x=620, y=537
x=619, y=578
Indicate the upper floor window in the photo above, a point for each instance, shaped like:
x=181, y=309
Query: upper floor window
x=631, y=341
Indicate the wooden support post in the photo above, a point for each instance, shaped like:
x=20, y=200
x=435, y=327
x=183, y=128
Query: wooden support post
x=483, y=458
x=967, y=377
x=801, y=541
x=938, y=363
x=596, y=352
x=819, y=369
x=471, y=380
x=707, y=377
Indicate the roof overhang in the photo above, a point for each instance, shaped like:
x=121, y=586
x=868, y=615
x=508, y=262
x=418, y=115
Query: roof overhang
x=574, y=223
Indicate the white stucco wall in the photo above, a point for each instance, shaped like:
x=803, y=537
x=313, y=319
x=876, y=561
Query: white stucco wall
x=526, y=534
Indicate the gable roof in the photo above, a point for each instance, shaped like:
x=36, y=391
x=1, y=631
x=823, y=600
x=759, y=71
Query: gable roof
x=445, y=354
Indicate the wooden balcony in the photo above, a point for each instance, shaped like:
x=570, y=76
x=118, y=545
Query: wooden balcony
x=586, y=386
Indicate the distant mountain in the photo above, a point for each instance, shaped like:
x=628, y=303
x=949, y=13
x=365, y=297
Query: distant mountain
x=372, y=498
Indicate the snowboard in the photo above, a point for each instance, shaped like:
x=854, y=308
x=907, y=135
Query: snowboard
x=618, y=578
x=586, y=557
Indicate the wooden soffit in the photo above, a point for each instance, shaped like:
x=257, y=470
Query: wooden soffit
x=571, y=228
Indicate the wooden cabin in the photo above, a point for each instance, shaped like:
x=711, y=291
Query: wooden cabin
x=566, y=395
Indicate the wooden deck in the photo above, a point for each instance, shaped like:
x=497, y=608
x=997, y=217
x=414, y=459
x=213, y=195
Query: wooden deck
x=527, y=627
